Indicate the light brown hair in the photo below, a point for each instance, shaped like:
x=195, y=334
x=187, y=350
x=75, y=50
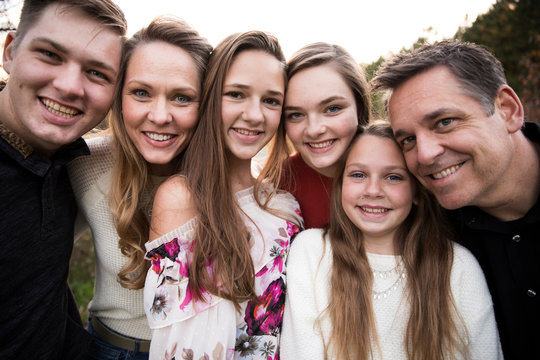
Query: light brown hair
x=423, y=241
x=105, y=12
x=131, y=177
x=222, y=236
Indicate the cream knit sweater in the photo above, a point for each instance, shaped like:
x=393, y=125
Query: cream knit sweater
x=119, y=308
x=308, y=294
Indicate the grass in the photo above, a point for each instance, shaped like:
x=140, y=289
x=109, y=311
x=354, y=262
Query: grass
x=82, y=273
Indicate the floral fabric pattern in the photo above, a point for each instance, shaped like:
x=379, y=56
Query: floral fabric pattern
x=184, y=328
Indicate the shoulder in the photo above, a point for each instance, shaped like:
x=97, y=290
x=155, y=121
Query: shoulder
x=467, y=276
x=309, y=247
x=173, y=206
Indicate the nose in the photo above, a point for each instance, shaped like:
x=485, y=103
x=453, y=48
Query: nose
x=253, y=112
x=428, y=149
x=373, y=188
x=315, y=126
x=69, y=81
x=159, y=112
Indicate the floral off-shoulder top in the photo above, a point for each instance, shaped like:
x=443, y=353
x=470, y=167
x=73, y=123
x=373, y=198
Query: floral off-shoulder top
x=184, y=328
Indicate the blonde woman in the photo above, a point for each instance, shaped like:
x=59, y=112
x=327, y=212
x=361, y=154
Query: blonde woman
x=153, y=117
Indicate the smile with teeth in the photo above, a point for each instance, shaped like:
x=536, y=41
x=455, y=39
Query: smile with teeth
x=247, y=132
x=159, y=137
x=374, y=210
x=321, y=145
x=59, y=110
x=446, y=172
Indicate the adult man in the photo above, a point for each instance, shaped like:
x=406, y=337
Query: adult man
x=62, y=62
x=462, y=131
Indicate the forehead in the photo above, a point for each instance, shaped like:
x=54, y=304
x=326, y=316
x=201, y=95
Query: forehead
x=70, y=27
x=257, y=67
x=320, y=81
x=424, y=94
x=388, y=152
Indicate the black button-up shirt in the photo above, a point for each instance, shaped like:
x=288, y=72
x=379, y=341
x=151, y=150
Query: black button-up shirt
x=509, y=254
x=38, y=316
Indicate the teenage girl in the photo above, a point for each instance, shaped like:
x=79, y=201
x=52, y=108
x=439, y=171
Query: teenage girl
x=384, y=281
x=327, y=98
x=219, y=238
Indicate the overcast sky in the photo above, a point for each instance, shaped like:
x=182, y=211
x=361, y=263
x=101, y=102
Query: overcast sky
x=366, y=28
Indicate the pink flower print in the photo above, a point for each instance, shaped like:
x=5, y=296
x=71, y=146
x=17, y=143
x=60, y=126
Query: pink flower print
x=265, y=315
x=172, y=248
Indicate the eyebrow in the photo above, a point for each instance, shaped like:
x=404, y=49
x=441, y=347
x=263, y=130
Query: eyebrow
x=247, y=87
x=63, y=49
x=322, y=102
x=389, y=168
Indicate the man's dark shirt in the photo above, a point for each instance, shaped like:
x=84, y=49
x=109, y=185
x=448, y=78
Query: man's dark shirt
x=509, y=254
x=38, y=316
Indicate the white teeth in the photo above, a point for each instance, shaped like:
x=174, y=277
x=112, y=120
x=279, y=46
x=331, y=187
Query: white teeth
x=158, y=137
x=446, y=172
x=321, y=144
x=58, y=109
x=246, y=132
x=373, y=210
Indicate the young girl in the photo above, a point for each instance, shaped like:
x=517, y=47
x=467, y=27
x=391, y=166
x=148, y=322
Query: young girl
x=153, y=117
x=384, y=281
x=216, y=288
x=327, y=97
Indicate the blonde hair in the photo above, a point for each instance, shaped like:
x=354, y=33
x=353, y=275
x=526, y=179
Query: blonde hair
x=131, y=177
x=423, y=241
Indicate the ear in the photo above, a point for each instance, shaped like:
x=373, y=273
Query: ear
x=508, y=105
x=7, y=57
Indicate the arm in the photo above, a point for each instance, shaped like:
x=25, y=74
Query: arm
x=475, y=306
x=307, y=296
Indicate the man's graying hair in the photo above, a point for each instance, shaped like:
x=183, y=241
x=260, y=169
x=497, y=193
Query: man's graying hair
x=476, y=69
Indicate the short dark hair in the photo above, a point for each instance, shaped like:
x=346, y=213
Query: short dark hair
x=475, y=67
x=105, y=12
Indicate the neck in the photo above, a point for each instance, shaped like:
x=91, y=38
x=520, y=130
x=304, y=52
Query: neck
x=523, y=184
x=240, y=171
x=383, y=245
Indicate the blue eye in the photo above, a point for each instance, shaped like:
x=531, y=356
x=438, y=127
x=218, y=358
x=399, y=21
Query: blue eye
x=98, y=74
x=394, y=177
x=444, y=122
x=272, y=101
x=333, y=109
x=50, y=54
x=234, y=94
x=182, y=98
x=140, y=93
x=358, y=175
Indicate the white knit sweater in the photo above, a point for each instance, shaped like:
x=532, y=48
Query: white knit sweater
x=119, y=308
x=308, y=294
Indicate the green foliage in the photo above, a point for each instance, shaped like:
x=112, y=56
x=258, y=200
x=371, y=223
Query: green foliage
x=82, y=273
x=511, y=29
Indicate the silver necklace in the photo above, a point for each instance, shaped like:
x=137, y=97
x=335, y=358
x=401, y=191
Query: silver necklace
x=399, y=269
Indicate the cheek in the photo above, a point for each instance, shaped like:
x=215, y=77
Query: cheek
x=100, y=98
x=272, y=122
x=345, y=128
x=294, y=131
x=186, y=119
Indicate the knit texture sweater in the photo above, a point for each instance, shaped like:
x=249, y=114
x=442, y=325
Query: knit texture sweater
x=119, y=308
x=309, y=269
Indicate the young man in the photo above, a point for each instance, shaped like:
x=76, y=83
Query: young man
x=462, y=131
x=62, y=62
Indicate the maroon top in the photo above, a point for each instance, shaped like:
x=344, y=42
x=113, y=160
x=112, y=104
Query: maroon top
x=311, y=189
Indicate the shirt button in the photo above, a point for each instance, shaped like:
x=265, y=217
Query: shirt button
x=531, y=293
x=516, y=238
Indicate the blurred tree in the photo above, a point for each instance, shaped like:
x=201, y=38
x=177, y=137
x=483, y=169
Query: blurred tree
x=511, y=29
x=6, y=24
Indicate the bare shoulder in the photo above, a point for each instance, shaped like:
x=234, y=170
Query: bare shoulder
x=173, y=207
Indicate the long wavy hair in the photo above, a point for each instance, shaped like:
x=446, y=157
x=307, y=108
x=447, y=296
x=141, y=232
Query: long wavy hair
x=222, y=236
x=424, y=242
x=309, y=56
x=131, y=177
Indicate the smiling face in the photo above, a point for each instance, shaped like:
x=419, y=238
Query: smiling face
x=62, y=77
x=160, y=102
x=320, y=116
x=454, y=149
x=252, y=100
x=377, y=191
